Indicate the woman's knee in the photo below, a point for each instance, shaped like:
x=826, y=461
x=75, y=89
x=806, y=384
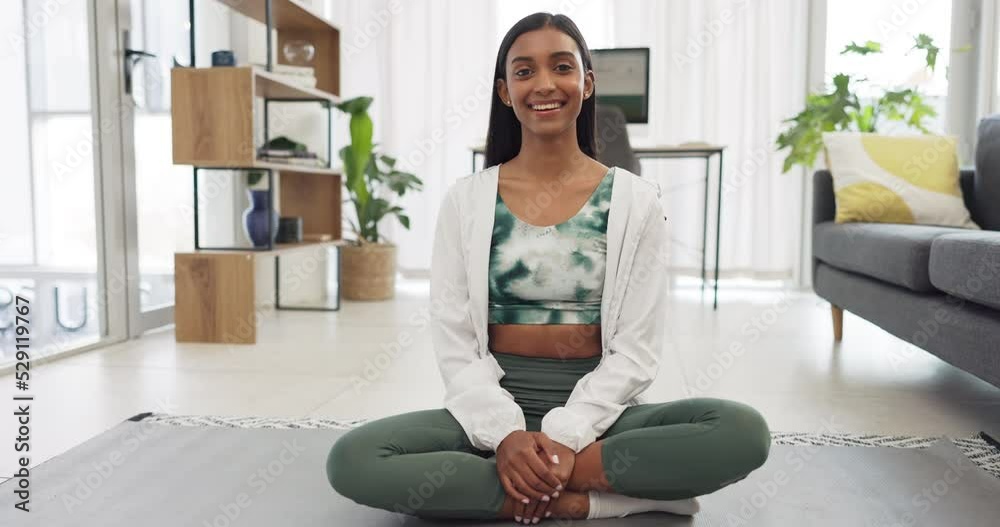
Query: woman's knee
x=350, y=462
x=359, y=463
x=749, y=431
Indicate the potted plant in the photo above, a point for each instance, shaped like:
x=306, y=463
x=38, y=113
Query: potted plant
x=368, y=265
x=841, y=109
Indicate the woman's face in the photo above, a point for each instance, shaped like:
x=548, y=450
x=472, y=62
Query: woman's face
x=545, y=83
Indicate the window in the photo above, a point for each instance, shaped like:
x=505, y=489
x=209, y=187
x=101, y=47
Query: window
x=48, y=238
x=894, y=24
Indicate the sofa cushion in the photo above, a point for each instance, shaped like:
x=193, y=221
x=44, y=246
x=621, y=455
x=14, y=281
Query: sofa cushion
x=987, y=178
x=912, y=179
x=968, y=266
x=898, y=254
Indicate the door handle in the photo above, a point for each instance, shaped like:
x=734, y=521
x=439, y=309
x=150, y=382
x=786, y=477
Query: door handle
x=132, y=56
x=138, y=54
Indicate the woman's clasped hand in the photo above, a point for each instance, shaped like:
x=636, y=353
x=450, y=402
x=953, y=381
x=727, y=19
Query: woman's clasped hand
x=533, y=470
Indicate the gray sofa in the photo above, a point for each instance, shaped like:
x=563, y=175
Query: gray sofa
x=937, y=288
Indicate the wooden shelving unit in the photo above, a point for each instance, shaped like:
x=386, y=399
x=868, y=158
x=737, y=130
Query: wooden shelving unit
x=286, y=14
x=213, y=114
x=281, y=249
x=214, y=120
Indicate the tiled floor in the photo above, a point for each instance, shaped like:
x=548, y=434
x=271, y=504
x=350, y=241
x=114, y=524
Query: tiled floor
x=772, y=350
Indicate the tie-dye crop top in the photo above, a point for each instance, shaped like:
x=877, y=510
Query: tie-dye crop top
x=552, y=274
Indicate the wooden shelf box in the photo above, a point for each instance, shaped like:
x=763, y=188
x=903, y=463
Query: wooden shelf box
x=213, y=114
x=213, y=127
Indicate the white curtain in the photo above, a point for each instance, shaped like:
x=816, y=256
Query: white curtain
x=725, y=72
x=428, y=65
x=722, y=71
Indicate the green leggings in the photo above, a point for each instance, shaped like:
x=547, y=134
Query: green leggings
x=422, y=464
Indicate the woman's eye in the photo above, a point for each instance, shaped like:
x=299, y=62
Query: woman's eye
x=567, y=66
x=519, y=72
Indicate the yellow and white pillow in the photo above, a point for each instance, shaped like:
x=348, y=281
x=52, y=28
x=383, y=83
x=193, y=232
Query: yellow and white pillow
x=896, y=179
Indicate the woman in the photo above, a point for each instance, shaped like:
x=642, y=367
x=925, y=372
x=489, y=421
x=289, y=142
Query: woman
x=547, y=308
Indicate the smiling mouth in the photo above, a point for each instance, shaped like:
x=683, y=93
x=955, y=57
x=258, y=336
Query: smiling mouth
x=545, y=109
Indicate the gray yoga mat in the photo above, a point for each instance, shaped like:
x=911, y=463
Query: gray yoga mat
x=143, y=473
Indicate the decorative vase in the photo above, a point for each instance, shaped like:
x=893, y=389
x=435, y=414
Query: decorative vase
x=255, y=220
x=368, y=271
x=298, y=52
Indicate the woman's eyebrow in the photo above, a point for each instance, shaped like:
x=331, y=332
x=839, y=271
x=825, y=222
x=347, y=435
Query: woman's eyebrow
x=553, y=55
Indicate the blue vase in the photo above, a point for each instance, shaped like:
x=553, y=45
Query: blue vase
x=255, y=220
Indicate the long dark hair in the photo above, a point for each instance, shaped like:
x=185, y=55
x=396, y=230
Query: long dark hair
x=503, y=139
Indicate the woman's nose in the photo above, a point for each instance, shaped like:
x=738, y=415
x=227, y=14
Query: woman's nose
x=544, y=84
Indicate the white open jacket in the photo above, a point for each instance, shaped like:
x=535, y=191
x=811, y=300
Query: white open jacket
x=633, y=309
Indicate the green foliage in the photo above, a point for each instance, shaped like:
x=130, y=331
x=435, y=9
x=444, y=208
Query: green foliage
x=840, y=109
x=926, y=43
x=371, y=175
x=869, y=47
x=254, y=177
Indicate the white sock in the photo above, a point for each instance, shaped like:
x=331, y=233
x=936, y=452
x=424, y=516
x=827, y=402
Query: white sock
x=610, y=505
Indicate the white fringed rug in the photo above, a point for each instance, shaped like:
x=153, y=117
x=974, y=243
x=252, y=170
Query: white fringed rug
x=982, y=449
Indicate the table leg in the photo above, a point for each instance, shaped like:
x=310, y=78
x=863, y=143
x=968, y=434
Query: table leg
x=718, y=233
x=704, y=224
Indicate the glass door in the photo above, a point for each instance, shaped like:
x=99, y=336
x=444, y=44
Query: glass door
x=55, y=192
x=154, y=37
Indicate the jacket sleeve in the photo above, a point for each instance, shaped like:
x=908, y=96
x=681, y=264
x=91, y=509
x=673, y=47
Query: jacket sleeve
x=473, y=394
x=600, y=397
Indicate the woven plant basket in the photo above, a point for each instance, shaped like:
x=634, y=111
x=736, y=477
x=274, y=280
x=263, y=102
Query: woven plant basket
x=368, y=271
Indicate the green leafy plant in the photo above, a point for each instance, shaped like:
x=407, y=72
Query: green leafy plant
x=371, y=176
x=839, y=108
x=254, y=177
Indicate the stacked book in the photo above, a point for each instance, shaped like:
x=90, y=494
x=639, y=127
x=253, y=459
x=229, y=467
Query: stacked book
x=284, y=150
x=304, y=76
x=290, y=157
